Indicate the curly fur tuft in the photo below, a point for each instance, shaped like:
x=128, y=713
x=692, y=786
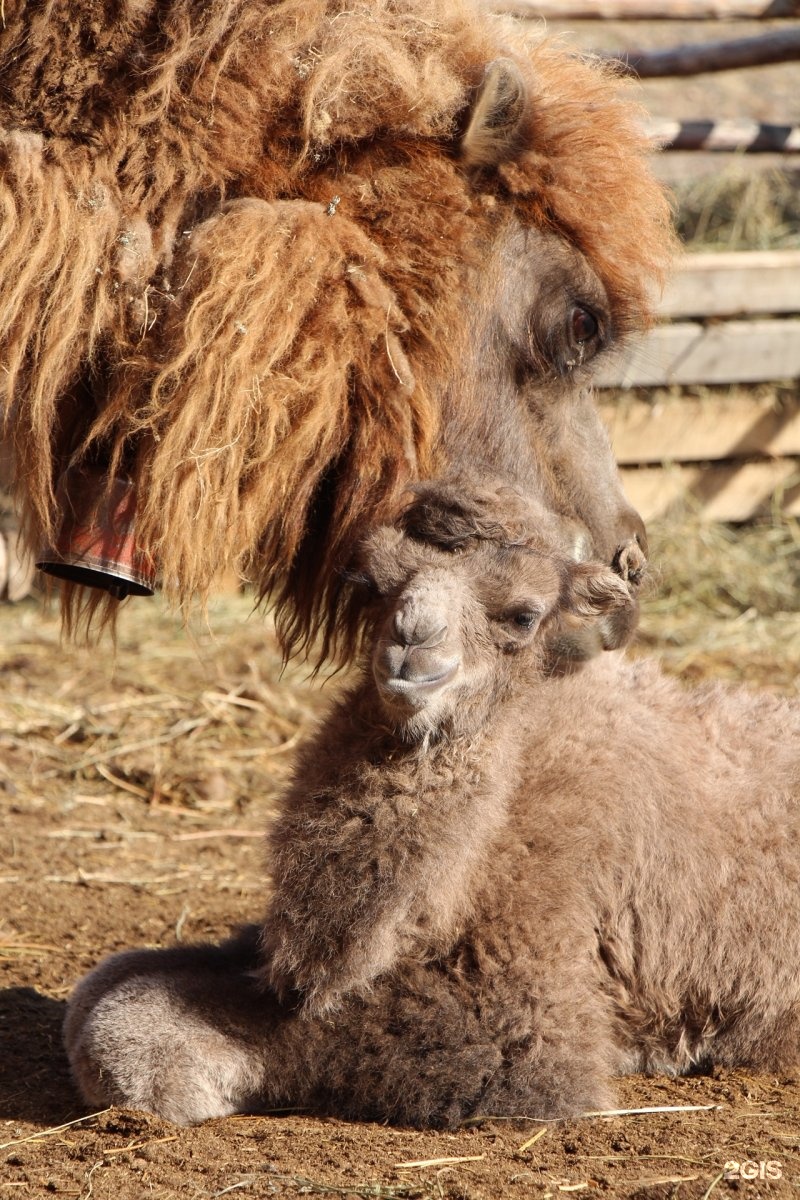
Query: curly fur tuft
x=454, y=513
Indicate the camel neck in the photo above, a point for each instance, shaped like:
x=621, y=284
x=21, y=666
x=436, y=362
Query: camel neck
x=482, y=753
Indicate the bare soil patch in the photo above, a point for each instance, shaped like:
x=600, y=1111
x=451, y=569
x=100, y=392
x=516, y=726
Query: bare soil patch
x=135, y=785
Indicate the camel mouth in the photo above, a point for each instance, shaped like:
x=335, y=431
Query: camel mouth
x=416, y=690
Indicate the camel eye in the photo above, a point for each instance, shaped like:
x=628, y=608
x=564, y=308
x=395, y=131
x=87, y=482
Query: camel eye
x=584, y=324
x=516, y=625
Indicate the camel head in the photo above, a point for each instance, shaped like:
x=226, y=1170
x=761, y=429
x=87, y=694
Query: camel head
x=264, y=264
x=465, y=594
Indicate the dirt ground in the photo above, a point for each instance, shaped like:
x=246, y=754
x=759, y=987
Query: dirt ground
x=135, y=786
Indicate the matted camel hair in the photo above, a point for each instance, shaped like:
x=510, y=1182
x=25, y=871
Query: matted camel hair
x=248, y=248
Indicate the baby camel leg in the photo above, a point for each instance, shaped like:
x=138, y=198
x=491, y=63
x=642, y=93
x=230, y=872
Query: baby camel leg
x=433, y=1056
x=189, y=1034
x=166, y=1031
x=555, y=1029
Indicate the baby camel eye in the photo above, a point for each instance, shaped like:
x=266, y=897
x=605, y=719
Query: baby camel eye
x=525, y=619
x=584, y=324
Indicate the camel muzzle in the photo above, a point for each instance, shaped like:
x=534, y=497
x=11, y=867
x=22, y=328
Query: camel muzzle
x=417, y=654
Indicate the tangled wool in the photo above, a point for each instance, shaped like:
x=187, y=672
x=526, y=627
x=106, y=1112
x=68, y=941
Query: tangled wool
x=237, y=247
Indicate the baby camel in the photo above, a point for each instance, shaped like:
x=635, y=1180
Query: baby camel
x=508, y=887
x=398, y=802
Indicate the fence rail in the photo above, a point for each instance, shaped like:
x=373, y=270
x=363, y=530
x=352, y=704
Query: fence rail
x=649, y=10
x=729, y=352
x=721, y=491
x=741, y=136
x=709, y=286
x=700, y=58
x=734, y=284
x=735, y=452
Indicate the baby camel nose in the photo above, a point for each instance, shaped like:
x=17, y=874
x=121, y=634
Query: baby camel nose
x=413, y=626
x=413, y=659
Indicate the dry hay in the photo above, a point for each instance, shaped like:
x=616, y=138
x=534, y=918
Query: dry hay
x=725, y=601
x=139, y=756
x=740, y=208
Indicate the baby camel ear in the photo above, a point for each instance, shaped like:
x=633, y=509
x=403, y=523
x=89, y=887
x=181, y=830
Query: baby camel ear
x=497, y=118
x=596, y=595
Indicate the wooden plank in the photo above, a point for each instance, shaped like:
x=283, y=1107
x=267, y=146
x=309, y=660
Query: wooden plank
x=730, y=492
x=648, y=10
x=698, y=58
x=731, y=352
x=691, y=429
x=741, y=135
x=730, y=284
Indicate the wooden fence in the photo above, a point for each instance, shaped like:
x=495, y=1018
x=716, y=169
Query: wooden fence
x=729, y=319
x=649, y=10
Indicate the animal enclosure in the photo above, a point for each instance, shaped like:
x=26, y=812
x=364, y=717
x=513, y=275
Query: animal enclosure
x=706, y=409
x=135, y=786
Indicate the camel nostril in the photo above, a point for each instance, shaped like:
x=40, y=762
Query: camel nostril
x=630, y=529
x=641, y=540
x=434, y=639
x=411, y=628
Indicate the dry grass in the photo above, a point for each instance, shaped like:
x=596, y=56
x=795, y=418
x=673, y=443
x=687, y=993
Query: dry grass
x=725, y=601
x=139, y=759
x=152, y=716
x=740, y=209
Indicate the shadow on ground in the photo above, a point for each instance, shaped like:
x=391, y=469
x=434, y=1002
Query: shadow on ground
x=35, y=1083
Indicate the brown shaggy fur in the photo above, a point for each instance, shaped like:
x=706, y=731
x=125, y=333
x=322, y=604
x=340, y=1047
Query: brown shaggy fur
x=242, y=245
x=514, y=886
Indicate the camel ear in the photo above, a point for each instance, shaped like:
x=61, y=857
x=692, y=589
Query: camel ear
x=497, y=117
x=598, y=598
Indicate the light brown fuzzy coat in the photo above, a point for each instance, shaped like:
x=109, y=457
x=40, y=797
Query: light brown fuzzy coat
x=507, y=887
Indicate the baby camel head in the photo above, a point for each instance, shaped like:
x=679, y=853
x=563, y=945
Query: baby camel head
x=465, y=590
